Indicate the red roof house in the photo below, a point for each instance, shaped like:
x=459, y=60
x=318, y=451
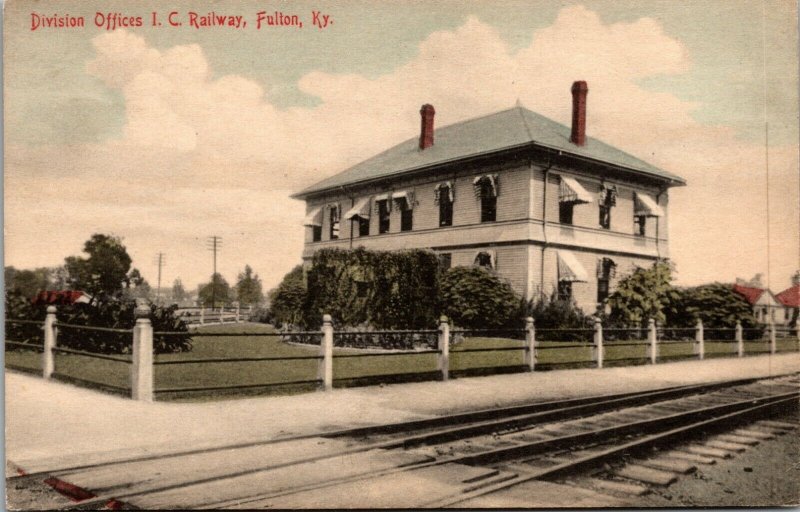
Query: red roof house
x=60, y=298
x=790, y=297
x=749, y=293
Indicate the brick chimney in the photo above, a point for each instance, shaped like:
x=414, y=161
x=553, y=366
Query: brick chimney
x=579, y=91
x=426, y=132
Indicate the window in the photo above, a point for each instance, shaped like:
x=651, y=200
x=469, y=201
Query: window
x=565, y=290
x=565, y=212
x=334, y=225
x=363, y=226
x=488, y=209
x=383, y=216
x=445, y=260
x=444, y=198
x=484, y=259
x=406, y=218
x=316, y=233
x=486, y=192
x=606, y=269
x=608, y=199
x=640, y=225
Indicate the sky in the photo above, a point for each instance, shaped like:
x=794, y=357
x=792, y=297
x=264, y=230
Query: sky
x=167, y=135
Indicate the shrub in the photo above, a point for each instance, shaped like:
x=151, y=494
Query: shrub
x=385, y=290
x=558, y=314
x=475, y=298
x=642, y=295
x=113, y=314
x=287, y=300
x=717, y=305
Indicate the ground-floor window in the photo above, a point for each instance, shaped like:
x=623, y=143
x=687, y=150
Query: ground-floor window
x=565, y=290
x=484, y=259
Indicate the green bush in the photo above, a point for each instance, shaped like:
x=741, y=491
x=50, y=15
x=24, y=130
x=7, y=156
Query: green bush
x=380, y=289
x=115, y=314
x=642, y=295
x=475, y=298
x=717, y=305
x=552, y=313
x=287, y=300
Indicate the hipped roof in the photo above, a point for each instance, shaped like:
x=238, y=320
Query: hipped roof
x=516, y=127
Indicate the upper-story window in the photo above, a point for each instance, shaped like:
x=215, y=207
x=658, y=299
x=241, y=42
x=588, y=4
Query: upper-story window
x=607, y=200
x=363, y=226
x=486, y=189
x=360, y=212
x=314, y=221
x=384, y=216
x=444, y=197
x=644, y=206
x=606, y=270
x=405, y=201
x=570, y=193
x=334, y=213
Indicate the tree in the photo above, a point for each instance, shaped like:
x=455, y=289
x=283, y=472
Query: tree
x=286, y=300
x=474, y=297
x=27, y=282
x=716, y=304
x=137, y=286
x=105, y=272
x=248, y=287
x=215, y=293
x=178, y=291
x=642, y=295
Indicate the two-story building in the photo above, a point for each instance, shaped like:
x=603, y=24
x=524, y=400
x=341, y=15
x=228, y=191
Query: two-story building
x=546, y=207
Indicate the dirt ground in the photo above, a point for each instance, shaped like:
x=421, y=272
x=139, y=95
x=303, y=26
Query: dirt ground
x=766, y=475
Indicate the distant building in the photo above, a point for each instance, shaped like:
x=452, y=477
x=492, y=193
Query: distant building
x=61, y=298
x=546, y=207
x=790, y=299
x=766, y=306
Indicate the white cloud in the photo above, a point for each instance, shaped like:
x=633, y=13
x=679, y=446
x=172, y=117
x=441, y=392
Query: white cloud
x=201, y=154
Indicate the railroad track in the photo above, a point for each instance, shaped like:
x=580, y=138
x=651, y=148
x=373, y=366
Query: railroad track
x=454, y=460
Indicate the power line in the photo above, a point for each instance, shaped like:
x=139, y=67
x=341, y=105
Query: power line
x=214, y=243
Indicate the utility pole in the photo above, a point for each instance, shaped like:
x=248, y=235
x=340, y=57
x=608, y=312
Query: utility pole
x=214, y=243
x=160, y=261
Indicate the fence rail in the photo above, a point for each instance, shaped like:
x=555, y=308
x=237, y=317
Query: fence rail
x=596, y=346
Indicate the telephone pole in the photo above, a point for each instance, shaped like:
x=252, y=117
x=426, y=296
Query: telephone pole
x=160, y=261
x=214, y=243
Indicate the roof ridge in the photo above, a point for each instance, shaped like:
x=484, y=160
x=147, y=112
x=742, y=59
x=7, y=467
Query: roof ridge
x=520, y=109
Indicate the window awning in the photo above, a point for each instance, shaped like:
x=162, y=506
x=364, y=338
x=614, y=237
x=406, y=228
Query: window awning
x=570, y=269
x=404, y=196
x=490, y=179
x=570, y=191
x=492, y=258
x=314, y=217
x=645, y=205
x=360, y=209
x=437, y=190
x=382, y=197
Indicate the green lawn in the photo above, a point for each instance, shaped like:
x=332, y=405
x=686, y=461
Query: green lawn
x=347, y=370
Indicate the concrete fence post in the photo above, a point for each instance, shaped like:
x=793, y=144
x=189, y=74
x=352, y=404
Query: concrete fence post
x=739, y=339
x=237, y=314
x=530, y=344
x=142, y=364
x=652, y=338
x=444, y=348
x=699, y=340
x=48, y=358
x=326, y=351
x=597, y=348
x=773, y=347
x=202, y=315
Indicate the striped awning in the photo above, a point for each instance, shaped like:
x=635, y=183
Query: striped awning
x=487, y=179
x=382, y=197
x=570, y=269
x=404, y=196
x=360, y=209
x=645, y=205
x=482, y=255
x=314, y=217
x=570, y=191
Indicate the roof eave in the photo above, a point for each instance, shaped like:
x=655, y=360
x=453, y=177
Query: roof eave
x=303, y=194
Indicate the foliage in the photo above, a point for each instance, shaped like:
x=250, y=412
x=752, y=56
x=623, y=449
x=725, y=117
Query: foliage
x=179, y=293
x=215, y=293
x=562, y=317
x=248, y=287
x=286, y=301
x=115, y=314
x=717, y=305
x=137, y=287
x=642, y=295
x=105, y=271
x=475, y=298
x=27, y=282
x=385, y=290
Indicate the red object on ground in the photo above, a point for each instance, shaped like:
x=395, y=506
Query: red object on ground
x=790, y=297
x=750, y=294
